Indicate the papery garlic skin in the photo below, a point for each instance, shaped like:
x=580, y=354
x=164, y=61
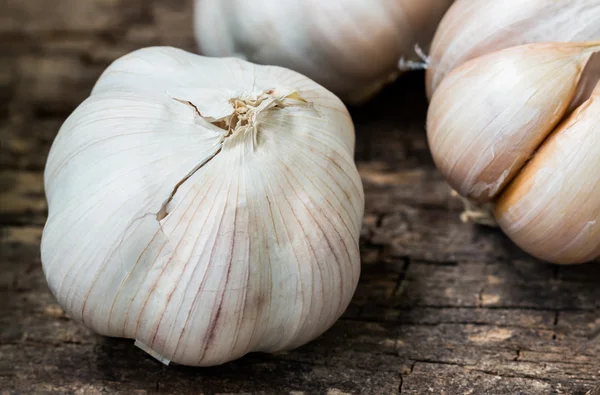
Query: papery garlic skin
x=490, y=114
x=589, y=78
x=202, y=240
x=552, y=208
x=352, y=47
x=472, y=28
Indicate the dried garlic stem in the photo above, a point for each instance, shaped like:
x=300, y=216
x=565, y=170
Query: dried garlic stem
x=481, y=214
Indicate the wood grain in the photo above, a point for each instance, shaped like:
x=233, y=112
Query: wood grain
x=442, y=307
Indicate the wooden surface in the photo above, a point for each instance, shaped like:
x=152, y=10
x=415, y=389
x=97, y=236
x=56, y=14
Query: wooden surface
x=442, y=307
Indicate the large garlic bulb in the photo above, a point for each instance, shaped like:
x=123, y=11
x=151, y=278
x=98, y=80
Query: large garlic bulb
x=472, y=28
x=352, y=47
x=204, y=207
x=492, y=114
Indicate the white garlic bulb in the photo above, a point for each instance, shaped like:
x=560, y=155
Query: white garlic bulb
x=490, y=116
x=472, y=28
x=352, y=47
x=204, y=207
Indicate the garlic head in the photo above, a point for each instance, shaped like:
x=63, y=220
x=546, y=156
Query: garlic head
x=205, y=207
x=352, y=47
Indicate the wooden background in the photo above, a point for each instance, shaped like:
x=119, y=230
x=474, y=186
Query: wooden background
x=442, y=307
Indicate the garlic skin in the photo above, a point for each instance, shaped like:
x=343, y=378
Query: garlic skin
x=351, y=47
x=489, y=115
x=205, y=207
x=555, y=199
x=472, y=28
x=589, y=77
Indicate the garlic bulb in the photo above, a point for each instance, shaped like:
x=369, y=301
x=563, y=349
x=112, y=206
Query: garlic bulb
x=472, y=28
x=490, y=115
x=352, y=47
x=559, y=191
x=204, y=207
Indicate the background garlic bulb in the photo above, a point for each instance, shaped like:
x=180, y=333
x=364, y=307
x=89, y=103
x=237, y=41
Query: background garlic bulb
x=352, y=47
x=204, y=207
x=489, y=116
x=472, y=28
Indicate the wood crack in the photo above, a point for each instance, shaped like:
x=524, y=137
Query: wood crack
x=555, y=324
x=401, y=279
x=473, y=368
x=160, y=377
x=401, y=323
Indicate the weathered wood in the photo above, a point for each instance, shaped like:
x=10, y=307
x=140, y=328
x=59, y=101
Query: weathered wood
x=442, y=307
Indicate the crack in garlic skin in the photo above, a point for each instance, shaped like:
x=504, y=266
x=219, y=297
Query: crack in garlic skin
x=257, y=246
x=243, y=117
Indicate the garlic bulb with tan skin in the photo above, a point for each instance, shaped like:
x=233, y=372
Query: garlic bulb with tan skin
x=205, y=207
x=352, y=47
x=488, y=126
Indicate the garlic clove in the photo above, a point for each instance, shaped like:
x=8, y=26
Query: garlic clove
x=552, y=208
x=472, y=28
x=490, y=114
x=205, y=207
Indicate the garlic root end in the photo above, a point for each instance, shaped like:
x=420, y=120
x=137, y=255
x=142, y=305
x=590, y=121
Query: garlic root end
x=408, y=65
x=481, y=214
x=152, y=353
